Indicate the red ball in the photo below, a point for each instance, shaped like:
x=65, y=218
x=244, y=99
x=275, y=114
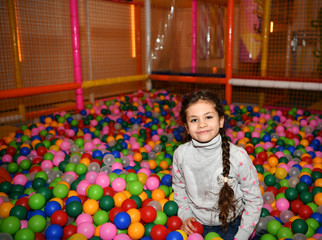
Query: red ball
x=109, y=191
x=258, y=161
x=41, y=151
x=282, y=189
x=296, y=205
x=272, y=190
x=198, y=228
x=39, y=236
x=23, y=202
x=249, y=149
x=174, y=223
x=262, y=156
x=11, y=150
x=69, y=230
x=59, y=217
x=128, y=204
x=307, y=159
x=159, y=232
x=113, y=212
x=305, y=212
x=275, y=213
x=148, y=214
x=288, y=225
x=146, y=202
x=87, y=155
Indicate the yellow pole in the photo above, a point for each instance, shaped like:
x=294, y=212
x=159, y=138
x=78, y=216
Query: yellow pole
x=266, y=21
x=15, y=52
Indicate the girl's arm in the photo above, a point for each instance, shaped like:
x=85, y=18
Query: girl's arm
x=252, y=196
x=179, y=187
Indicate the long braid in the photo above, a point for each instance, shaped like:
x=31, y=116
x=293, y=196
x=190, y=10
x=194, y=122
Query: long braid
x=226, y=201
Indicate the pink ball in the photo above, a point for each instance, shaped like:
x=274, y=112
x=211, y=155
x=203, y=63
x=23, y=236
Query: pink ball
x=7, y=158
x=135, y=146
x=144, y=164
x=255, y=134
x=303, y=122
x=282, y=204
x=107, y=231
x=116, y=165
x=20, y=179
x=96, y=141
x=119, y=184
x=146, y=171
x=155, y=138
x=240, y=134
x=46, y=164
x=152, y=183
x=279, y=154
x=87, y=229
x=89, y=146
x=91, y=177
x=268, y=207
x=103, y=180
x=195, y=236
x=24, y=224
x=122, y=236
x=72, y=173
x=20, y=159
x=57, y=159
x=279, y=129
x=81, y=187
x=93, y=123
x=65, y=145
x=83, y=218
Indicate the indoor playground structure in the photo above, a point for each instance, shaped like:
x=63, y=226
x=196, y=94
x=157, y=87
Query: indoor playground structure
x=90, y=94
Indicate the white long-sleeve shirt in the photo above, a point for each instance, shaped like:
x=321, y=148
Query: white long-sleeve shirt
x=196, y=184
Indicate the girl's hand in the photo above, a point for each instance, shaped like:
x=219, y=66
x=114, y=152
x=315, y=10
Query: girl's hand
x=187, y=225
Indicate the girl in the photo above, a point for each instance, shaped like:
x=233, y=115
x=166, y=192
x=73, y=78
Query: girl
x=214, y=181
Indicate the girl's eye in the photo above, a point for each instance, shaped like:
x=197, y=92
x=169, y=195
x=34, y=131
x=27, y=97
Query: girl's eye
x=209, y=117
x=193, y=120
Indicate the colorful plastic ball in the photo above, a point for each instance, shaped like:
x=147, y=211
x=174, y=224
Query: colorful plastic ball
x=174, y=223
x=36, y=201
x=51, y=207
x=282, y=204
x=95, y=192
x=37, y=223
x=268, y=236
x=19, y=211
x=90, y=206
x=114, y=211
x=296, y=205
x=159, y=232
x=128, y=204
x=317, y=216
x=284, y=232
x=273, y=226
x=135, y=188
x=136, y=230
x=10, y=225
x=122, y=220
x=78, y=236
x=306, y=197
x=69, y=230
x=100, y=217
x=299, y=226
x=59, y=217
x=211, y=235
x=106, y=203
x=74, y=208
x=195, y=236
x=148, y=214
x=87, y=229
x=170, y=208
x=291, y=194
x=107, y=231
x=174, y=235
x=25, y=234
x=161, y=218
x=305, y=212
x=54, y=231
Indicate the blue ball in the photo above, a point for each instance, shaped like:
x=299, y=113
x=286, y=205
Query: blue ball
x=319, y=230
x=116, y=154
x=122, y=220
x=51, y=207
x=73, y=198
x=166, y=180
x=54, y=231
x=174, y=236
x=317, y=216
x=307, y=179
x=97, y=153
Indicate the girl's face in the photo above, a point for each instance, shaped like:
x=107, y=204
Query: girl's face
x=203, y=121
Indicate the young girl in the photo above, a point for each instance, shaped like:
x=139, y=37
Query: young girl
x=214, y=181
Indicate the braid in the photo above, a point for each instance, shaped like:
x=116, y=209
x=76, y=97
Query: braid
x=226, y=194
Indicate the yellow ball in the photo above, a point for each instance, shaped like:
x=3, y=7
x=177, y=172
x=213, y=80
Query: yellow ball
x=183, y=233
x=77, y=236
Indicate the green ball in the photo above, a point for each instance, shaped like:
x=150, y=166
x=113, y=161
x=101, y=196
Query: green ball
x=25, y=164
x=299, y=226
x=74, y=208
x=60, y=191
x=131, y=177
x=19, y=211
x=12, y=167
x=147, y=229
x=273, y=226
x=310, y=232
x=95, y=192
x=211, y=235
x=106, y=203
x=161, y=218
x=80, y=168
x=301, y=187
x=37, y=223
x=36, y=201
x=291, y=194
x=306, y=197
x=38, y=183
x=135, y=188
x=170, y=208
x=46, y=192
x=284, y=232
x=270, y=180
x=25, y=234
x=100, y=217
x=312, y=223
x=138, y=201
x=268, y=236
x=5, y=187
x=10, y=225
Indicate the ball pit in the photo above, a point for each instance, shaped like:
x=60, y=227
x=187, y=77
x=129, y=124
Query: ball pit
x=104, y=172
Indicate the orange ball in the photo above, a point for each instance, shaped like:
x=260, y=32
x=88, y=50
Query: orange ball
x=135, y=215
x=136, y=230
x=318, y=198
x=272, y=161
x=143, y=195
x=137, y=157
x=119, y=198
x=90, y=206
x=5, y=209
x=157, y=194
x=318, y=182
x=164, y=164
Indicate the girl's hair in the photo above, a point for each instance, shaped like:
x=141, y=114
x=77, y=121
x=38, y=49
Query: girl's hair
x=226, y=201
